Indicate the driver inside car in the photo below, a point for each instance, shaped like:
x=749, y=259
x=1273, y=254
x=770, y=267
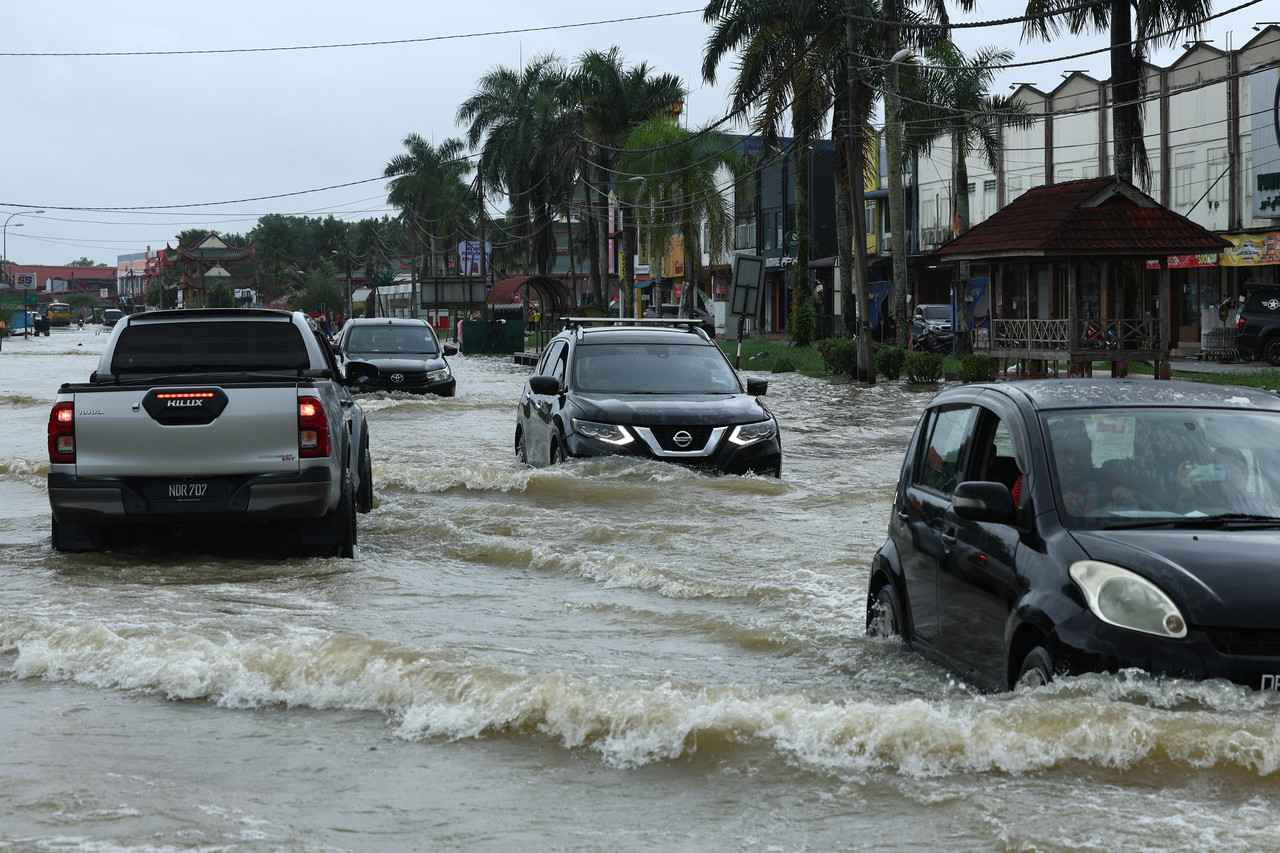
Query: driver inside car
x=1078, y=481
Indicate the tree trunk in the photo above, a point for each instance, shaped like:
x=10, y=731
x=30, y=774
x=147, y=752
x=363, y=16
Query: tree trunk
x=1124, y=90
x=844, y=218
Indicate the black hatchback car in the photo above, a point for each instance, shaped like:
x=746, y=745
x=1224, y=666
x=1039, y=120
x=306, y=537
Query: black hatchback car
x=406, y=351
x=1071, y=526
x=659, y=389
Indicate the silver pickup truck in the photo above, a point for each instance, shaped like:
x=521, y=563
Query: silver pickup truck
x=231, y=417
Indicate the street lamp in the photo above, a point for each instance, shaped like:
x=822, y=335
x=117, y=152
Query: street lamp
x=4, y=253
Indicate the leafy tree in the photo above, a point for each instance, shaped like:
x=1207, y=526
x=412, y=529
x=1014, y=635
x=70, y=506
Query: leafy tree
x=321, y=293
x=219, y=296
x=85, y=262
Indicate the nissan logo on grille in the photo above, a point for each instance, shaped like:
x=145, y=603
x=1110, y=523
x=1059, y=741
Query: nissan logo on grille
x=397, y=378
x=682, y=438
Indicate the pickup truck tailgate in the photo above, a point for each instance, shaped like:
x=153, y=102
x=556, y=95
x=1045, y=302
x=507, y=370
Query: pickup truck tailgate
x=137, y=433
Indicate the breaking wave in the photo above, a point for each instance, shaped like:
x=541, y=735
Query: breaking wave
x=1123, y=723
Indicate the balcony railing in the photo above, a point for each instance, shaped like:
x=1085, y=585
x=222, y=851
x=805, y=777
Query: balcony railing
x=1063, y=338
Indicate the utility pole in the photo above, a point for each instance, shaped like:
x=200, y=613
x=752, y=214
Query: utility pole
x=857, y=170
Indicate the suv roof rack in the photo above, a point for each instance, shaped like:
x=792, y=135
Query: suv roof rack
x=691, y=325
x=577, y=322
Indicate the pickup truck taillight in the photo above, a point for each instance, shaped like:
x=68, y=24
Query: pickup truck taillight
x=62, y=433
x=313, y=428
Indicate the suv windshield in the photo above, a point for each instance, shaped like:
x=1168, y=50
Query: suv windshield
x=389, y=340
x=653, y=369
x=937, y=312
x=1118, y=467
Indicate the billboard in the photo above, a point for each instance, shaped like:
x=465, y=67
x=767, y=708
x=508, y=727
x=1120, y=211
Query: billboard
x=1264, y=103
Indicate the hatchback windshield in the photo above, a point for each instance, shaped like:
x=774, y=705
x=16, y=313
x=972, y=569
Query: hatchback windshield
x=1116, y=467
x=654, y=369
x=389, y=340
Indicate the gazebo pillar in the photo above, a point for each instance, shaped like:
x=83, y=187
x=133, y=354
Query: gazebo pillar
x=1162, y=370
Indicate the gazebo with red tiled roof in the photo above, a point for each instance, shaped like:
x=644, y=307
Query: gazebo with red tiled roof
x=1057, y=258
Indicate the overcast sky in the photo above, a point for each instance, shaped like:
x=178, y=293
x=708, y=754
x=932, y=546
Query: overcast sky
x=251, y=115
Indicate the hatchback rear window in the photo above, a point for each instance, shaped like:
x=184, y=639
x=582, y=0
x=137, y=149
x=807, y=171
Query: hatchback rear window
x=200, y=347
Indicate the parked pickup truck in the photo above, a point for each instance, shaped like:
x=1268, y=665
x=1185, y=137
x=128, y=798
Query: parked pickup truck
x=234, y=417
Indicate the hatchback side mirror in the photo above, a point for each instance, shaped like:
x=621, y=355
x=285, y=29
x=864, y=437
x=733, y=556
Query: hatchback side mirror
x=980, y=500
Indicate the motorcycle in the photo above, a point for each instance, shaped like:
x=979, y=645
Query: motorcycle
x=934, y=340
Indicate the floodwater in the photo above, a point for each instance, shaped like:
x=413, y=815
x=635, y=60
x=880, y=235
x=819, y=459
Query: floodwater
x=607, y=655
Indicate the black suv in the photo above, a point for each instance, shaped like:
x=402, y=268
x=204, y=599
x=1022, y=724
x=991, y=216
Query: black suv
x=658, y=389
x=1258, y=329
x=406, y=351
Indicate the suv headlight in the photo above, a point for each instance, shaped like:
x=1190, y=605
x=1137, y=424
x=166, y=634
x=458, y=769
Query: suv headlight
x=1121, y=598
x=751, y=433
x=608, y=433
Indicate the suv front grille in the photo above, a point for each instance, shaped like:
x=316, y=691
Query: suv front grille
x=666, y=436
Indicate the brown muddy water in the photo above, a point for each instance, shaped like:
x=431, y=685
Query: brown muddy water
x=607, y=655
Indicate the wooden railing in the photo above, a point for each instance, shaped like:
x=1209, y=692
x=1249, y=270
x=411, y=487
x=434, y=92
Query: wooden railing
x=1138, y=334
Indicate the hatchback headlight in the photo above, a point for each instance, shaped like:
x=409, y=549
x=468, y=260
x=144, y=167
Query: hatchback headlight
x=1121, y=598
x=608, y=433
x=751, y=433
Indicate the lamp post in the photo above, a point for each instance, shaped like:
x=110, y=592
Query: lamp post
x=4, y=252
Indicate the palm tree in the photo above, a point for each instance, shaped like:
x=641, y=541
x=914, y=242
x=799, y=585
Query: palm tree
x=892, y=44
x=429, y=186
x=828, y=30
x=957, y=104
x=1156, y=22
x=612, y=100
x=781, y=60
x=518, y=116
x=681, y=190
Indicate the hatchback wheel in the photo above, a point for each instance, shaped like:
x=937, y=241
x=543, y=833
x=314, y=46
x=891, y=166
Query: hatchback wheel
x=884, y=619
x=1036, y=670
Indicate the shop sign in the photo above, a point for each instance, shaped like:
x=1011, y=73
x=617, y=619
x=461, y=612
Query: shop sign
x=1251, y=250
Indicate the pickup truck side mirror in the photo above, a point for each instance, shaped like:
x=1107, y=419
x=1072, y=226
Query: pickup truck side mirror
x=360, y=373
x=756, y=386
x=450, y=349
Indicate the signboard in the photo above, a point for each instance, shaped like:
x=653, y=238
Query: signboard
x=1264, y=94
x=745, y=285
x=1251, y=250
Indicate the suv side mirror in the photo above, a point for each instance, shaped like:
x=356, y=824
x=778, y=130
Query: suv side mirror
x=544, y=385
x=756, y=386
x=360, y=373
